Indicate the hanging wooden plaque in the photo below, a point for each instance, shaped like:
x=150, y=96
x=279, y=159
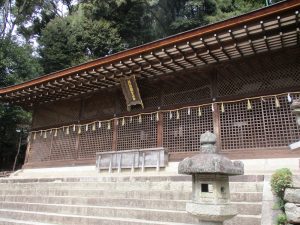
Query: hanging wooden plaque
x=131, y=92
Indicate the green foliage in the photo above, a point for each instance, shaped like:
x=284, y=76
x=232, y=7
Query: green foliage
x=281, y=179
x=95, y=28
x=132, y=18
x=16, y=65
x=281, y=219
x=279, y=205
x=69, y=41
x=231, y=8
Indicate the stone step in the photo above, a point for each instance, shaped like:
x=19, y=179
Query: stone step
x=172, y=186
x=6, y=221
x=246, y=187
x=176, y=186
x=67, y=219
x=104, y=211
x=160, y=195
x=127, y=178
x=141, y=194
x=126, y=186
x=244, y=220
x=157, y=200
x=246, y=197
x=122, y=202
x=244, y=208
x=20, y=218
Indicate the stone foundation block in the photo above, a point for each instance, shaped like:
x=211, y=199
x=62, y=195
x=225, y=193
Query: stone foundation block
x=292, y=195
x=292, y=212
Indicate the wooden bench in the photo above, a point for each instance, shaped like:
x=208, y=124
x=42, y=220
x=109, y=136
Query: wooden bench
x=132, y=159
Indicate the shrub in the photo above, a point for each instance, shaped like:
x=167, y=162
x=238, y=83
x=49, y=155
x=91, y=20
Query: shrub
x=281, y=219
x=279, y=204
x=281, y=179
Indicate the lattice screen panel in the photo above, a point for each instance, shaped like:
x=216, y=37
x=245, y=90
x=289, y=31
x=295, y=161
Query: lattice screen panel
x=64, y=145
x=99, y=105
x=264, y=126
x=280, y=124
x=242, y=128
x=259, y=74
x=183, y=134
x=187, y=96
x=191, y=87
x=56, y=113
x=39, y=148
x=137, y=134
x=150, y=99
x=149, y=103
x=99, y=140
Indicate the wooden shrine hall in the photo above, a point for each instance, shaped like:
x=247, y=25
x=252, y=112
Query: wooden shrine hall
x=236, y=78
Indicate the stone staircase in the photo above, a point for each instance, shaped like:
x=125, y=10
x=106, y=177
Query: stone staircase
x=121, y=200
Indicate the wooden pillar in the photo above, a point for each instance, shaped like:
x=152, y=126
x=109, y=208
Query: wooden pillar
x=51, y=145
x=115, y=134
x=77, y=143
x=30, y=136
x=160, y=123
x=217, y=124
x=30, y=139
x=216, y=107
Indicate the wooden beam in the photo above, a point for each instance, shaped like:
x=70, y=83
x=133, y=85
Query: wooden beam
x=183, y=54
x=153, y=66
x=142, y=68
x=249, y=39
x=161, y=63
x=208, y=50
x=172, y=59
x=221, y=46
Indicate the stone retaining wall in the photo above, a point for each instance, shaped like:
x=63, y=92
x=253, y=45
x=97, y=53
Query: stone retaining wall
x=292, y=207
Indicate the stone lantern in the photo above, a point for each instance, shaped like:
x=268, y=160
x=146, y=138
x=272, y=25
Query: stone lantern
x=295, y=107
x=296, y=110
x=210, y=172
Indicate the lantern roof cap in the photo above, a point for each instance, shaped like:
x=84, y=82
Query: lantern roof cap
x=208, y=161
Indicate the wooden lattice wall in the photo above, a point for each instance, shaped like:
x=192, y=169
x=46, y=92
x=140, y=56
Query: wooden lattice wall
x=265, y=127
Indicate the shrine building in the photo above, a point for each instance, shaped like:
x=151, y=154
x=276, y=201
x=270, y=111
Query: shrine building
x=236, y=78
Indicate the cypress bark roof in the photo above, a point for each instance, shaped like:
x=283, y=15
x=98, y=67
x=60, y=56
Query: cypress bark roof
x=267, y=29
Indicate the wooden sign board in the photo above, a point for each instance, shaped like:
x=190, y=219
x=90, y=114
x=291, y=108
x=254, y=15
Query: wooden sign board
x=131, y=92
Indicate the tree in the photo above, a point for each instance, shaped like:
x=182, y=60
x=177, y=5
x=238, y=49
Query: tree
x=28, y=17
x=97, y=28
x=16, y=65
x=75, y=39
x=131, y=18
x=182, y=15
x=230, y=8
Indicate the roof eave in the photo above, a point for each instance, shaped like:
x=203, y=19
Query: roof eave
x=185, y=36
